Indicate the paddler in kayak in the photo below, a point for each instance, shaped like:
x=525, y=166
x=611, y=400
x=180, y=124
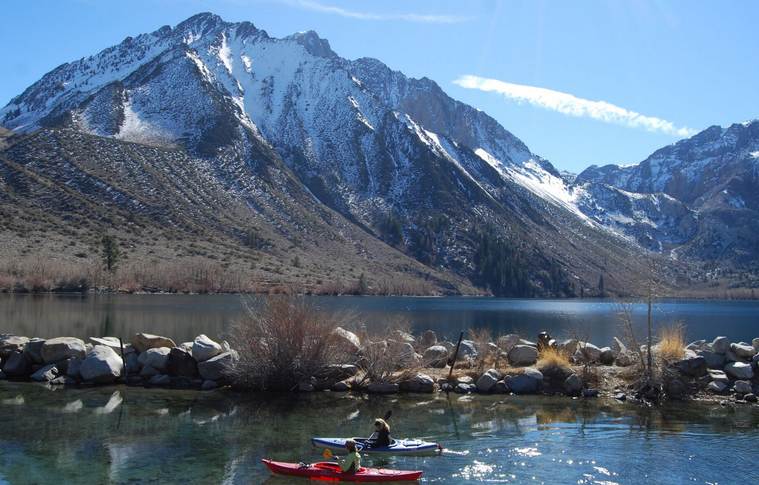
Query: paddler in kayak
x=352, y=461
x=381, y=436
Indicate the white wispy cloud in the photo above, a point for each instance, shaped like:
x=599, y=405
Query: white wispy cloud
x=354, y=14
x=571, y=105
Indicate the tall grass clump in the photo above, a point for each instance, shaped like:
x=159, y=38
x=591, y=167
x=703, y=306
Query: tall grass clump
x=283, y=341
x=551, y=357
x=672, y=342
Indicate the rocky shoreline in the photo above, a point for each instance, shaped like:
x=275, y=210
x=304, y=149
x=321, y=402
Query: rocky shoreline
x=720, y=370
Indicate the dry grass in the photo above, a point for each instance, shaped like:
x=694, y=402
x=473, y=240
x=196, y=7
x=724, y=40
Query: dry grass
x=282, y=342
x=672, y=342
x=551, y=357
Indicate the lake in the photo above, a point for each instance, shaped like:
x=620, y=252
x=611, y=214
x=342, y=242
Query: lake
x=182, y=317
x=135, y=435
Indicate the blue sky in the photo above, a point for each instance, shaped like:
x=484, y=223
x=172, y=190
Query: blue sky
x=580, y=82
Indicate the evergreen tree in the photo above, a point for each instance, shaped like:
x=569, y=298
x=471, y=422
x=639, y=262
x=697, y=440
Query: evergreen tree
x=601, y=288
x=111, y=253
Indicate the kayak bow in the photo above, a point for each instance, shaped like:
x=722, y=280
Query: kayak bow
x=331, y=471
x=397, y=447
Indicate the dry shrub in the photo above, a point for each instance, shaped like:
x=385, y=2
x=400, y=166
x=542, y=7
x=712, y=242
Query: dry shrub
x=553, y=358
x=672, y=342
x=486, y=355
x=383, y=361
x=283, y=341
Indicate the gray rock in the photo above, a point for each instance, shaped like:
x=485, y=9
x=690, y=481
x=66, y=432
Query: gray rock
x=590, y=393
x=162, y=380
x=626, y=359
x=2, y=376
x=730, y=356
x=590, y=352
x=419, y=383
x=755, y=344
x=17, y=365
x=111, y=342
x=696, y=345
x=743, y=351
x=306, y=386
x=501, y=388
x=144, y=341
x=73, y=368
x=45, y=374
x=739, y=370
x=676, y=389
x=11, y=343
x=507, y=342
x=209, y=385
x=750, y=397
x=691, y=364
x=464, y=388
x=133, y=365
x=527, y=342
x=147, y=372
x=203, y=348
x=527, y=383
x=721, y=345
x=713, y=359
x=742, y=387
x=717, y=387
x=403, y=353
x=33, y=349
x=345, y=341
x=180, y=363
x=157, y=358
x=382, y=388
x=215, y=368
x=465, y=380
x=718, y=375
x=435, y=356
x=522, y=355
x=568, y=346
x=467, y=349
x=61, y=348
x=63, y=381
x=102, y=365
x=573, y=385
x=487, y=381
x=427, y=339
x=618, y=346
x=341, y=386
x=607, y=356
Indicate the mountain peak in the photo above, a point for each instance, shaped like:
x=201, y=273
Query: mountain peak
x=314, y=44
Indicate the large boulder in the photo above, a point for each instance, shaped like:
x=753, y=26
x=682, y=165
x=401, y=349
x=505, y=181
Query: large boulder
x=215, y=368
x=62, y=348
x=522, y=355
x=739, y=370
x=607, y=356
x=11, y=343
x=435, y=356
x=743, y=350
x=691, y=364
x=73, y=368
x=102, y=365
x=157, y=358
x=625, y=359
x=590, y=352
x=713, y=359
x=618, y=346
x=698, y=345
x=144, y=341
x=382, y=388
x=203, y=348
x=507, y=342
x=111, y=342
x=717, y=387
x=573, y=385
x=721, y=345
x=467, y=349
x=419, y=383
x=568, y=346
x=45, y=374
x=181, y=363
x=33, y=349
x=403, y=353
x=755, y=344
x=487, y=381
x=427, y=339
x=345, y=342
x=742, y=387
x=718, y=375
x=528, y=382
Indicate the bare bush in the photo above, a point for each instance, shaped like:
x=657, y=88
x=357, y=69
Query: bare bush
x=671, y=344
x=283, y=341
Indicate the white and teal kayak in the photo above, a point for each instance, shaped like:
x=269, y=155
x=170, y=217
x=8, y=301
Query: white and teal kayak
x=397, y=447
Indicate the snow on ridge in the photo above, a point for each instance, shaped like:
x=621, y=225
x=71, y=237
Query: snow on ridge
x=754, y=154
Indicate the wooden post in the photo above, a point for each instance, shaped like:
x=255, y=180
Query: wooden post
x=123, y=362
x=455, y=356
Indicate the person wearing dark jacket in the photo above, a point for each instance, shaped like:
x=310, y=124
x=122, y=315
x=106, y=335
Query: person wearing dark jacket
x=381, y=436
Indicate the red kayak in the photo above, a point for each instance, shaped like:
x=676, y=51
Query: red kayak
x=331, y=471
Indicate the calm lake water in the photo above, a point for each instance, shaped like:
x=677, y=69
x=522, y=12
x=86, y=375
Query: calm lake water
x=134, y=435
x=182, y=317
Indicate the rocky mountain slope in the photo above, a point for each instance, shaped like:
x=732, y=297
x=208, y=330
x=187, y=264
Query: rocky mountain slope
x=426, y=177
x=697, y=199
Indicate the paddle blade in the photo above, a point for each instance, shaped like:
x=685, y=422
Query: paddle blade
x=327, y=454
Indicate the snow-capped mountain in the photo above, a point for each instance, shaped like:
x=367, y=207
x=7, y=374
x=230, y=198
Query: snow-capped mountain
x=394, y=155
